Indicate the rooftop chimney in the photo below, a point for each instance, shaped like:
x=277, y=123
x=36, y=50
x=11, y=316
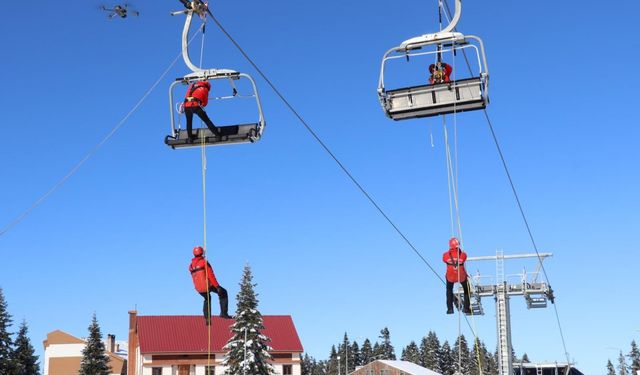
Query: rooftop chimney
x=111, y=343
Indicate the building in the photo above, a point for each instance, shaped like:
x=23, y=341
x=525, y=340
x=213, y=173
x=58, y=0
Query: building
x=384, y=367
x=63, y=354
x=182, y=345
x=544, y=369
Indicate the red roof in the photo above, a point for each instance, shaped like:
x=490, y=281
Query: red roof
x=188, y=334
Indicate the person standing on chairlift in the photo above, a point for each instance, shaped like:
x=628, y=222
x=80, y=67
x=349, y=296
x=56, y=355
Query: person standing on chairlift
x=455, y=258
x=440, y=73
x=194, y=102
x=204, y=280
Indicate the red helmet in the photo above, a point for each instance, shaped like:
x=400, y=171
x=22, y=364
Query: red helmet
x=198, y=251
x=454, y=243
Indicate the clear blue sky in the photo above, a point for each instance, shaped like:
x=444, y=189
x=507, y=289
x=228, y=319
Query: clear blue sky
x=119, y=233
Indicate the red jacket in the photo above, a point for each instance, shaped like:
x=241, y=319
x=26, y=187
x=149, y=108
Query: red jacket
x=455, y=265
x=201, y=271
x=197, y=95
x=445, y=73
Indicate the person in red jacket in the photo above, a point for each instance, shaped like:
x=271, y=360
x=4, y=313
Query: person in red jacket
x=204, y=280
x=455, y=258
x=196, y=99
x=440, y=73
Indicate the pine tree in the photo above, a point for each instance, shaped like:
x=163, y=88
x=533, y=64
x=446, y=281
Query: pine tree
x=94, y=358
x=332, y=363
x=634, y=358
x=344, y=351
x=447, y=363
x=247, y=340
x=377, y=352
x=610, y=369
x=366, y=353
x=461, y=355
x=411, y=353
x=386, y=349
x=430, y=352
x=6, y=362
x=622, y=365
x=306, y=365
x=356, y=358
x=525, y=358
x=24, y=359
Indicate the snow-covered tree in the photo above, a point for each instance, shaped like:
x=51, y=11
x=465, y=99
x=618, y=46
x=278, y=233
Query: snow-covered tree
x=24, y=359
x=623, y=368
x=430, y=352
x=610, y=369
x=634, y=358
x=344, y=351
x=6, y=361
x=94, y=357
x=247, y=340
x=386, y=350
x=356, y=358
x=461, y=355
x=366, y=353
x=411, y=353
x=447, y=363
x=332, y=362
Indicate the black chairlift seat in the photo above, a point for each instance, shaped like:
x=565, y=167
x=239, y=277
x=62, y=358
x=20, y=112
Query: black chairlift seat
x=234, y=134
x=432, y=100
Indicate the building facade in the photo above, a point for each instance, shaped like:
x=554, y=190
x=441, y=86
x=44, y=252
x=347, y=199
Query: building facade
x=385, y=367
x=63, y=354
x=184, y=345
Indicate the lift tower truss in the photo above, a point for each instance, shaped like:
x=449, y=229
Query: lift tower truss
x=536, y=294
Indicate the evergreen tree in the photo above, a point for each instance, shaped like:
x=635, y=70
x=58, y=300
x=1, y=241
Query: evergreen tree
x=344, y=351
x=430, y=352
x=24, y=359
x=248, y=324
x=525, y=358
x=622, y=365
x=411, y=353
x=377, y=352
x=386, y=349
x=634, y=358
x=6, y=362
x=447, y=363
x=307, y=364
x=94, y=357
x=491, y=362
x=366, y=353
x=332, y=363
x=356, y=360
x=461, y=355
x=610, y=369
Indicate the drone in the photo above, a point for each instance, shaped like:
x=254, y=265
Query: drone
x=121, y=11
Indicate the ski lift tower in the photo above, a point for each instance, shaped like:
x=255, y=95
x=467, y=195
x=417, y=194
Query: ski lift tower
x=535, y=293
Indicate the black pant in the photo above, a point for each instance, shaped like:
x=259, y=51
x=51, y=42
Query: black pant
x=451, y=298
x=189, y=111
x=224, y=302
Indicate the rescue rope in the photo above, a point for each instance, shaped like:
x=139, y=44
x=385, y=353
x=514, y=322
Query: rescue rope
x=91, y=153
x=203, y=157
x=519, y=204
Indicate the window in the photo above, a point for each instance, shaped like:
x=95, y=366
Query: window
x=156, y=371
x=287, y=370
x=210, y=370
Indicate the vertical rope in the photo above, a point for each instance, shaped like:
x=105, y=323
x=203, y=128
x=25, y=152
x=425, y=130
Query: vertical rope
x=203, y=157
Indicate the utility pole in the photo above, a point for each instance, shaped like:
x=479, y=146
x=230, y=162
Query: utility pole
x=535, y=293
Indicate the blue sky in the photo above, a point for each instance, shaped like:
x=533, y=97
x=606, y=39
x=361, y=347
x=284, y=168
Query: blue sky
x=118, y=234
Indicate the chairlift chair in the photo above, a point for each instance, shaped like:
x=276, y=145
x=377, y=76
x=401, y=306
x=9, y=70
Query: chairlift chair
x=229, y=134
x=427, y=100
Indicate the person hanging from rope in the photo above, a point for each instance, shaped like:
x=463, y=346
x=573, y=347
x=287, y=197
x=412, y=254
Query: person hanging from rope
x=204, y=280
x=194, y=102
x=455, y=258
x=440, y=73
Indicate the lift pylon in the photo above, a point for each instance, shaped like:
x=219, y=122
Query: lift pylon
x=535, y=293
